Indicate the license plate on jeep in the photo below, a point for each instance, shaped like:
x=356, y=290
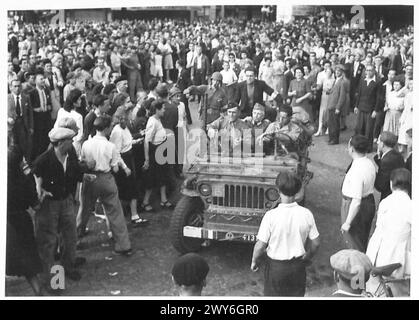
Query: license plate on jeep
x=218, y=190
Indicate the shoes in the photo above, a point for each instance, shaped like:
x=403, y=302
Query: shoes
x=79, y=261
x=139, y=222
x=206, y=243
x=48, y=291
x=317, y=134
x=332, y=143
x=375, y=140
x=166, y=204
x=327, y=132
x=125, y=253
x=81, y=246
x=82, y=233
x=73, y=275
x=146, y=207
x=343, y=128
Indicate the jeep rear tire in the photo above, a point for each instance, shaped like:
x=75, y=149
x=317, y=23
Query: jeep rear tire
x=188, y=212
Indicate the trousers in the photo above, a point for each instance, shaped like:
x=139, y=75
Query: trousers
x=53, y=218
x=286, y=278
x=104, y=188
x=333, y=123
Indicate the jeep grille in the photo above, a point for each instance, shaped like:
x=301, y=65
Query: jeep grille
x=241, y=197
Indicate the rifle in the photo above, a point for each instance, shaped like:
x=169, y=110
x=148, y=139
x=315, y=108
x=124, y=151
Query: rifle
x=204, y=122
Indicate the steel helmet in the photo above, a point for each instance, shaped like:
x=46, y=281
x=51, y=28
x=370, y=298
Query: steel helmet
x=217, y=76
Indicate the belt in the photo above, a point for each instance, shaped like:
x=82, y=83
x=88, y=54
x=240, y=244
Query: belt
x=100, y=172
x=298, y=259
x=348, y=198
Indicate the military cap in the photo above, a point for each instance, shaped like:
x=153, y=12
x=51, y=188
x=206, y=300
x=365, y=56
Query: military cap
x=121, y=78
x=286, y=108
x=190, y=269
x=259, y=107
x=57, y=134
x=232, y=105
x=350, y=263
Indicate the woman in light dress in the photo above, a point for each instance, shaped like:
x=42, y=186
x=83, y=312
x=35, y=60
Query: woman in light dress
x=406, y=117
x=391, y=240
x=393, y=108
x=266, y=73
x=328, y=83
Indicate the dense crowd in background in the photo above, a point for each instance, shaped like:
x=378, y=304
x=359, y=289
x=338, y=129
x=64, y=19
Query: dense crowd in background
x=122, y=79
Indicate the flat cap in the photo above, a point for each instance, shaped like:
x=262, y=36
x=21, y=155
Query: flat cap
x=350, y=263
x=190, y=269
x=57, y=134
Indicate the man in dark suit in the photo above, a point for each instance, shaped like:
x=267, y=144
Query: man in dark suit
x=20, y=118
x=336, y=103
x=42, y=123
x=387, y=160
x=357, y=70
x=257, y=59
x=250, y=92
x=183, y=82
x=367, y=105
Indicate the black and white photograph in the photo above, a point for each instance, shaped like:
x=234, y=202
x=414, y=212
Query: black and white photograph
x=209, y=149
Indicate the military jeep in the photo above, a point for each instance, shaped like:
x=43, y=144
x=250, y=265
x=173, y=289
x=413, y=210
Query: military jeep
x=225, y=200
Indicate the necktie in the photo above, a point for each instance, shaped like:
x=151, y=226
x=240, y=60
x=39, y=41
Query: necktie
x=18, y=109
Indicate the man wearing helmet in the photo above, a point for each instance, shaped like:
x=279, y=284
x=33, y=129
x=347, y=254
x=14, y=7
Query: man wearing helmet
x=217, y=97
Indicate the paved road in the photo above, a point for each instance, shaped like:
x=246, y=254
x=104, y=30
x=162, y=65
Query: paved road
x=147, y=273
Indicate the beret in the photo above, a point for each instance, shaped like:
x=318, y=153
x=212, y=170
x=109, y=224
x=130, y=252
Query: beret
x=57, y=134
x=190, y=269
x=349, y=263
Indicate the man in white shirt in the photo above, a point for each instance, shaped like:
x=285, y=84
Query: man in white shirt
x=229, y=77
x=358, y=204
x=107, y=159
x=289, y=236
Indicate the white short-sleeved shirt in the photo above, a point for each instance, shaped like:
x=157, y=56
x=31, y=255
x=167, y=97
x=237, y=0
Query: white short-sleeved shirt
x=285, y=229
x=102, y=151
x=154, y=132
x=359, y=180
x=229, y=76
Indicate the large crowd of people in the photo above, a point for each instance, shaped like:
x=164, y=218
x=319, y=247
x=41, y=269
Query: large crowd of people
x=89, y=103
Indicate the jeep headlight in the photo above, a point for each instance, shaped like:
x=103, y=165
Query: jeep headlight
x=205, y=189
x=272, y=194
